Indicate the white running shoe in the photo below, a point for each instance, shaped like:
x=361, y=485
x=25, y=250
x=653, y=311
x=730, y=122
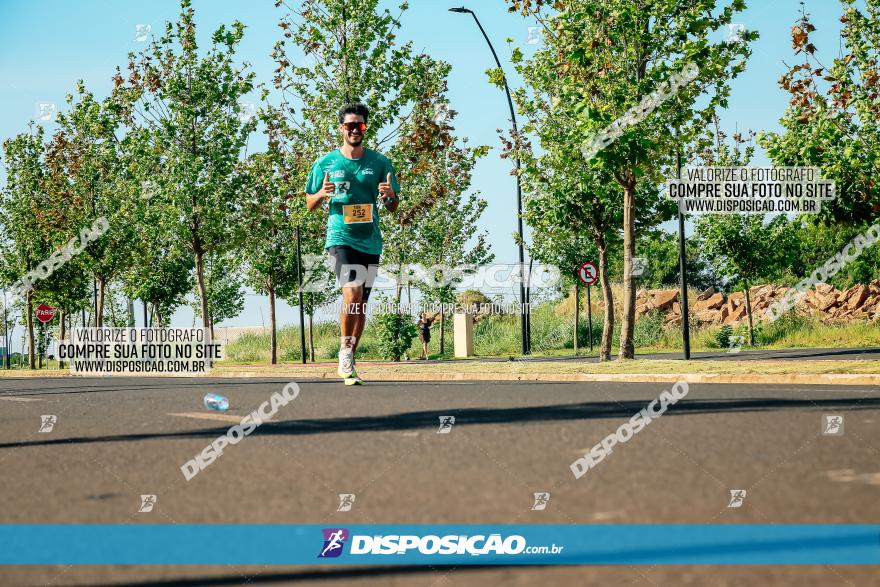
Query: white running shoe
x=353, y=380
x=346, y=363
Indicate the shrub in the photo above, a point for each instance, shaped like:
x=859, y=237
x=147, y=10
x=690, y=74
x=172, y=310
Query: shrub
x=648, y=329
x=722, y=337
x=395, y=333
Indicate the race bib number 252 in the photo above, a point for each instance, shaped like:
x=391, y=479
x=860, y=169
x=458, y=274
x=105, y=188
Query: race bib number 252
x=357, y=213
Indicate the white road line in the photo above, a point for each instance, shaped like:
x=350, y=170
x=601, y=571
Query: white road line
x=210, y=416
x=20, y=399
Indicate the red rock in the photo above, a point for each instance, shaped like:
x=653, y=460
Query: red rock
x=857, y=296
x=708, y=315
x=736, y=315
x=712, y=303
x=826, y=302
x=664, y=298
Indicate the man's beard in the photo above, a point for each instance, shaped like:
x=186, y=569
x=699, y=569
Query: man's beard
x=351, y=142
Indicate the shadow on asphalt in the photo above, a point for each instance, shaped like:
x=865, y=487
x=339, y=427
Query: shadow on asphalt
x=427, y=420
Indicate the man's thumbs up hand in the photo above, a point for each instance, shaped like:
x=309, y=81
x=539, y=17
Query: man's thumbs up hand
x=386, y=192
x=329, y=188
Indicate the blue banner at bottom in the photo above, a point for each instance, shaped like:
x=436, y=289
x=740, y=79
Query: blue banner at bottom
x=355, y=544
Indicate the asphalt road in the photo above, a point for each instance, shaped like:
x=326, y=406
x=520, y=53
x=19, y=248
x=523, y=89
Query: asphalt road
x=118, y=438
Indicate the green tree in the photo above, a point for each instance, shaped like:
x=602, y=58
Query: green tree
x=24, y=209
x=575, y=211
x=833, y=117
x=817, y=242
x=614, y=54
x=352, y=54
x=742, y=249
x=450, y=239
x=86, y=181
x=270, y=250
x=661, y=250
x=162, y=274
x=223, y=288
x=189, y=106
x=746, y=250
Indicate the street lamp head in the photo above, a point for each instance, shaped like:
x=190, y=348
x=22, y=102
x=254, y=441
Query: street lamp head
x=461, y=10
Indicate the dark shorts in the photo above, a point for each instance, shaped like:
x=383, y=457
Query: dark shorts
x=352, y=266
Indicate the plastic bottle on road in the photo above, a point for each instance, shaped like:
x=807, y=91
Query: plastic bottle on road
x=216, y=402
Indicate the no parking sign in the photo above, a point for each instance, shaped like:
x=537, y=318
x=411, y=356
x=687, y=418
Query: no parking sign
x=588, y=273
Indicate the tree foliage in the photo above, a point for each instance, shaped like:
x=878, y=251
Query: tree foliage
x=833, y=118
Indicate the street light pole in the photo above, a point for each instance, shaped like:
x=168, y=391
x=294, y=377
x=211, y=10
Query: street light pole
x=682, y=268
x=525, y=325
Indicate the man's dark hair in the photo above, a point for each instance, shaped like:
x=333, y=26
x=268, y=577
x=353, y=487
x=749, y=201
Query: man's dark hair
x=353, y=108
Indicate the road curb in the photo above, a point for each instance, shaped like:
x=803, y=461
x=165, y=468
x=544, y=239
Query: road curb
x=765, y=379
x=717, y=378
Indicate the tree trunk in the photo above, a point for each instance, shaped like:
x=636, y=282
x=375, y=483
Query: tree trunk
x=627, y=349
x=7, y=358
x=607, y=301
x=749, y=314
x=61, y=335
x=30, y=326
x=442, y=330
x=274, y=335
x=311, y=339
x=99, y=306
x=130, y=318
x=155, y=317
x=112, y=307
x=203, y=292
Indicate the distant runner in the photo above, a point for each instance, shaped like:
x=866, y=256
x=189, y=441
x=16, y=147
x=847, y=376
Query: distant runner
x=353, y=179
x=424, y=327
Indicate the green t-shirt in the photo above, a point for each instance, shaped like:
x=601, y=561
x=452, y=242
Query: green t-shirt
x=354, y=218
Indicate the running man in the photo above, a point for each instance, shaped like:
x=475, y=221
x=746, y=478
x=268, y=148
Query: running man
x=353, y=180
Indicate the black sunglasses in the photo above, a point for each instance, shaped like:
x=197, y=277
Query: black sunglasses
x=350, y=126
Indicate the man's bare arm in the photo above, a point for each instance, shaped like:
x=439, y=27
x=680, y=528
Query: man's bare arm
x=314, y=200
x=327, y=190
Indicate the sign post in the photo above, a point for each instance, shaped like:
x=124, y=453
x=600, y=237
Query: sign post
x=590, y=318
x=577, y=314
x=589, y=274
x=45, y=313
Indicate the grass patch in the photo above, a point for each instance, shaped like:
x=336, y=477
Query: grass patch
x=552, y=334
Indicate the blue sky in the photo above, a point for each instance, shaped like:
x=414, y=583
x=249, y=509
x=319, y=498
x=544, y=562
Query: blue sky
x=46, y=47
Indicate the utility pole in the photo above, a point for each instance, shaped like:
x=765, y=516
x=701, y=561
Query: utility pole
x=525, y=311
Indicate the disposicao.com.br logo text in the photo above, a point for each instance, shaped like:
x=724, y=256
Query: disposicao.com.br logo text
x=453, y=544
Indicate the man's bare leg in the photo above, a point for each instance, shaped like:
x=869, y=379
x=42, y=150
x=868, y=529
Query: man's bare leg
x=361, y=321
x=349, y=317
